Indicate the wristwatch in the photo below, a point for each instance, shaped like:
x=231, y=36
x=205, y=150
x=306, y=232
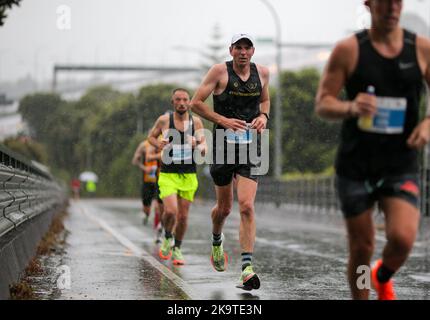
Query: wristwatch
x=266, y=115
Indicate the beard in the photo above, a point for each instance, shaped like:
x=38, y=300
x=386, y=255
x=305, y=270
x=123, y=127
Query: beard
x=181, y=112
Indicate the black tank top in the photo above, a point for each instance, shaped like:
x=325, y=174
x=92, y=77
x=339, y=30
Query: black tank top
x=362, y=154
x=181, y=162
x=240, y=99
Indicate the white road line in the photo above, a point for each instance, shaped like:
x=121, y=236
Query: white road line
x=181, y=284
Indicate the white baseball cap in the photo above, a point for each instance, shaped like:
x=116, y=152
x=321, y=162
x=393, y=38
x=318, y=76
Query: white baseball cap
x=240, y=36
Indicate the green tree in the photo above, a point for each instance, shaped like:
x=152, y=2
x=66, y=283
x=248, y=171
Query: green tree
x=309, y=143
x=65, y=136
x=111, y=133
x=37, y=110
x=4, y=5
x=123, y=178
x=97, y=132
x=151, y=102
x=90, y=110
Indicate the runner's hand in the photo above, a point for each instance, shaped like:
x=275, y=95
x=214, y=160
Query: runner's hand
x=145, y=169
x=192, y=141
x=364, y=105
x=162, y=143
x=234, y=124
x=420, y=136
x=202, y=149
x=259, y=123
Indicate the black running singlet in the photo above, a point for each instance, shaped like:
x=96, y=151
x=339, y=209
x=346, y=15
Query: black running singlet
x=240, y=99
x=181, y=154
x=382, y=149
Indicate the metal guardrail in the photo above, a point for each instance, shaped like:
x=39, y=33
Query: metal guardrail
x=304, y=194
x=26, y=190
x=316, y=194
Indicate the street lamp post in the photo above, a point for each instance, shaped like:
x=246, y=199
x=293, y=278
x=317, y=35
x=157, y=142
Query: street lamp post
x=277, y=83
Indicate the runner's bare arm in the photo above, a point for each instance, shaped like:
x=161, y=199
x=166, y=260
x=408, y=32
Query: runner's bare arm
x=199, y=106
x=155, y=132
x=421, y=134
x=260, y=123
x=340, y=65
x=200, y=137
x=207, y=86
x=152, y=154
x=139, y=155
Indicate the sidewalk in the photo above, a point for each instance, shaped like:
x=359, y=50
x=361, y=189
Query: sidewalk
x=101, y=267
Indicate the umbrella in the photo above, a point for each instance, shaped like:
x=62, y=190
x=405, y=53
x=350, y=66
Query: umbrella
x=88, y=176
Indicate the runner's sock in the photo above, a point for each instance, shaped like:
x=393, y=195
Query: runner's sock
x=177, y=243
x=246, y=259
x=216, y=239
x=384, y=274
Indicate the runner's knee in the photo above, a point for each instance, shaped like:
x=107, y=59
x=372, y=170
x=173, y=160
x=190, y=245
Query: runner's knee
x=170, y=212
x=401, y=242
x=362, y=247
x=182, y=217
x=246, y=207
x=223, y=210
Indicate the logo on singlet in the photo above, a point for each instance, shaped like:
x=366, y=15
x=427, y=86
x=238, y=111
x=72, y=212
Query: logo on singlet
x=405, y=66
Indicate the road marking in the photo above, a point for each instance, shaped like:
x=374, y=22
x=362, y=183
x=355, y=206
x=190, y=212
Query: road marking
x=181, y=284
x=423, y=277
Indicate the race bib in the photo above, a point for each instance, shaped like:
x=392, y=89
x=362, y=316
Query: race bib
x=181, y=152
x=243, y=137
x=153, y=173
x=389, y=118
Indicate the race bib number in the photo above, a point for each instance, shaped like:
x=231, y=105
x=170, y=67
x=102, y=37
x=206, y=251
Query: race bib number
x=389, y=118
x=182, y=152
x=243, y=137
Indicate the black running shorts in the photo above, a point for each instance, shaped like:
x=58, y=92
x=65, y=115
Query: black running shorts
x=149, y=191
x=357, y=196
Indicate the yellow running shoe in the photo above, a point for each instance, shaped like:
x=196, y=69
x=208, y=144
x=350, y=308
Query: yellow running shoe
x=177, y=257
x=248, y=280
x=165, y=251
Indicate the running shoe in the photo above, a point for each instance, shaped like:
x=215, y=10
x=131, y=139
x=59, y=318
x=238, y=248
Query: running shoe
x=248, y=280
x=165, y=251
x=219, y=258
x=177, y=257
x=385, y=290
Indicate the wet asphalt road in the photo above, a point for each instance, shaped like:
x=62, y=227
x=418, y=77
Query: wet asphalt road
x=298, y=255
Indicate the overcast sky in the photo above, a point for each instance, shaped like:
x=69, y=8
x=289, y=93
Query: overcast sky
x=146, y=32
